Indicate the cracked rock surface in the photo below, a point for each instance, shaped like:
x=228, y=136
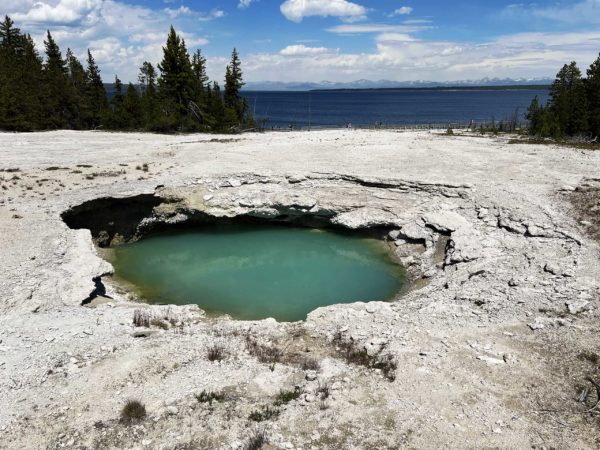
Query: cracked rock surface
x=491, y=347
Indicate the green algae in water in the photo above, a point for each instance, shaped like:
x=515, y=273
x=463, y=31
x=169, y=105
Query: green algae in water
x=255, y=272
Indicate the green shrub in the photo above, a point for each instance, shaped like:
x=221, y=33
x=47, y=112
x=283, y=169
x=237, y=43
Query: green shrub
x=209, y=397
x=286, y=396
x=263, y=414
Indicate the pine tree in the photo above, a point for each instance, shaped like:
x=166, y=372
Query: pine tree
x=147, y=78
x=534, y=115
x=233, y=85
x=117, y=118
x=199, y=70
x=78, y=81
x=568, y=101
x=58, y=106
x=117, y=100
x=20, y=80
x=95, y=92
x=9, y=34
x=593, y=97
x=132, y=107
x=149, y=103
x=30, y=92
x=215, y=108
x=176, y=82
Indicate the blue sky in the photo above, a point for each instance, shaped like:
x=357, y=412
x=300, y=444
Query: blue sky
x=335, y=40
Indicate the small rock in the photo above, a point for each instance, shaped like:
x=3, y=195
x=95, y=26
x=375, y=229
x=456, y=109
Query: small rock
x=509, y=358
x=311, y=375
x=293, y=179
x=172, y=410
x=536, y=325
x=491, y=361
x=394, y=234
x=552, y=268
x=143, y=333
x=375, y=345
x=577, y=306
x=430, y=273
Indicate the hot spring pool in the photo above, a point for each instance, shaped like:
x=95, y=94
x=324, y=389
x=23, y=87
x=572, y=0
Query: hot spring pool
x=253, y=272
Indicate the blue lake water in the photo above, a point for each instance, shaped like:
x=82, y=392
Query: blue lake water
x=256, y=272
x=392, y=107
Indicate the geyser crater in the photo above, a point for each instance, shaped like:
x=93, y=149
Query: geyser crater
x=250, y=268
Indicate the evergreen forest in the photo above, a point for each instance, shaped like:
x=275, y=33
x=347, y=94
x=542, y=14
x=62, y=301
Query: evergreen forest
x=573, y=109
x=56, y=91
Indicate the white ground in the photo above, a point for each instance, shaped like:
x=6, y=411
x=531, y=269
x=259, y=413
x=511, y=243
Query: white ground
x=492, y=353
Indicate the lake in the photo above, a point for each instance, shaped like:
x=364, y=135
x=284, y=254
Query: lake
x=392, y=107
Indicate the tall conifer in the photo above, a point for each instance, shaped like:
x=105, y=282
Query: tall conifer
x=233, y=85
x=593, y=96
x=95, y=92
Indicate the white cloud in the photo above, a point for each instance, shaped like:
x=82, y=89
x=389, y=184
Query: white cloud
x=297, y=10
x=243, y=4
x=121, y=36
x=181, y=11
x=17, y=5
x=213, y=14
x=400, y=56
x=302, y=50
x=185, y=11
x=376, y=28
x=584, y=12
x=403, y=11
x=64, y=12
x=395, y=37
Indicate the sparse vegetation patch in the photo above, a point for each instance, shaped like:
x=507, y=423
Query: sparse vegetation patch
x=216, y=353
x=209, y=396
x=256, y=441
x=264, y=353
x=359, y=356
x=263, y=414
x=133, y=411
x=286, y=396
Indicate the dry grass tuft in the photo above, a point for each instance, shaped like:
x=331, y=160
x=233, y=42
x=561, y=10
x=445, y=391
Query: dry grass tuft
x=141, y=318
x=133, y=411
x=256, y=442
x=216, y=353
x=358, y=356
x=264, y=353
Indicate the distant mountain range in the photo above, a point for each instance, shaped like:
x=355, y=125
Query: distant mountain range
x=387, y=84
x=513, y=83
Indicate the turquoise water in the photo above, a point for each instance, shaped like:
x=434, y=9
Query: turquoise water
x=258, y=272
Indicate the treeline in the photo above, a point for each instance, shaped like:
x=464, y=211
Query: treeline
x=574, y=105
x=58, y=92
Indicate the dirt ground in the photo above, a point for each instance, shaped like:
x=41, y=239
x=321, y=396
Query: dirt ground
x=494, y=349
